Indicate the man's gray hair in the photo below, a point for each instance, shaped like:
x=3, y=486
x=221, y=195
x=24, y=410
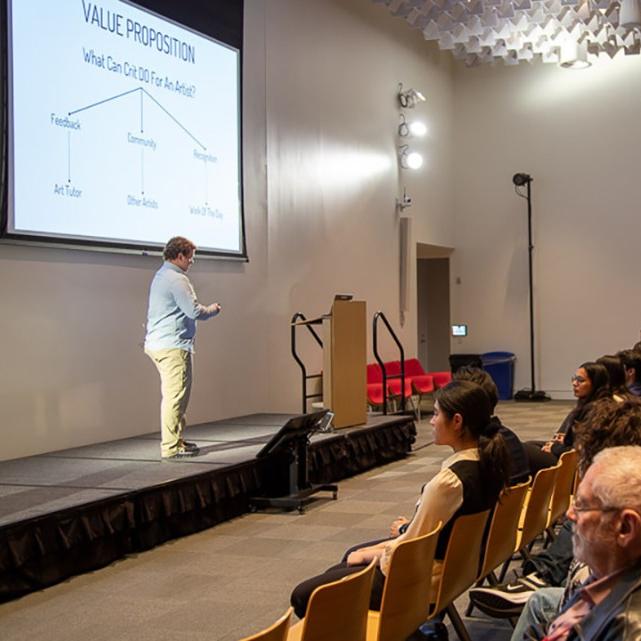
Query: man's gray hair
x=617, y=482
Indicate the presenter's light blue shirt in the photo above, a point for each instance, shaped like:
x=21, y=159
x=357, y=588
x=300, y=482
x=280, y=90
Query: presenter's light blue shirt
x=173, y=310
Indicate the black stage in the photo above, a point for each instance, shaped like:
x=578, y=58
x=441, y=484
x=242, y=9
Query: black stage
x=76, y=510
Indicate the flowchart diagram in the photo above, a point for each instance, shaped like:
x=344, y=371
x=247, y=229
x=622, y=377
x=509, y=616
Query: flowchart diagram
x=133, y=144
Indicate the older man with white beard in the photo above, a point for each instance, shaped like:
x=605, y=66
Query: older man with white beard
x=606, y=515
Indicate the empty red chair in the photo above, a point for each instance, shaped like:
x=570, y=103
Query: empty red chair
x=374, y=385
x=374, y=373
x=441, y=379
x=393, y=369
x=375, y=394
x=422, y=383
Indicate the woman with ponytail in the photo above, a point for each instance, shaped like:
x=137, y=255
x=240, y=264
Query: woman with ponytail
x=470, y=481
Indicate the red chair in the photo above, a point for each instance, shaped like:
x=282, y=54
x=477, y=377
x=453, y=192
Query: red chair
x=375, y=385
x=394, y=382
x=422, y=383
x=441, y=379
x=393, y=369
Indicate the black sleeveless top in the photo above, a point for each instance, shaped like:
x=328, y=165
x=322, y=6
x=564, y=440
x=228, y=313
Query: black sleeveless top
x=475, y=499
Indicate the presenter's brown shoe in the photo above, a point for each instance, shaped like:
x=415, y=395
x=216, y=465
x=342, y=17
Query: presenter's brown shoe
x=187, y=446
x=182, y=454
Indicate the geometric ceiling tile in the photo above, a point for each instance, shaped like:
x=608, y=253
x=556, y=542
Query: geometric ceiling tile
x=484, y=31
x=473, y=45
x=446, y=41
x=507, y=10
x=499, y=50
x=431, y=31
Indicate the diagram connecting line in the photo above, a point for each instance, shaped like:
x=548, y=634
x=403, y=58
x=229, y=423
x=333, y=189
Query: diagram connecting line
x=175, y=120
x=102, y=102
x=141, y=90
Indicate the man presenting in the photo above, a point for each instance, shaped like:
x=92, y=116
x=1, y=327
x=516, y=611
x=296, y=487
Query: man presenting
x=169, y=342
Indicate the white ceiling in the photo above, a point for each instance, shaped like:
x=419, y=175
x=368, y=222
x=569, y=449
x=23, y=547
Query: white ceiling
x=512, y=31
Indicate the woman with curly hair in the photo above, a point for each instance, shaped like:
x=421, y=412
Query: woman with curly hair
x=609, y=423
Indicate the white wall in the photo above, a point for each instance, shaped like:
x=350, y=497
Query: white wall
x=332, y=173
x=577, y=133
x=320, y=78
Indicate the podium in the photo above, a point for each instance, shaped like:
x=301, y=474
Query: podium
x=344, y=362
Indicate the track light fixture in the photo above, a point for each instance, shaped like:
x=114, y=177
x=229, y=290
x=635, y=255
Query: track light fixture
x=413, y=128
x=410, y=159
x=410, y=98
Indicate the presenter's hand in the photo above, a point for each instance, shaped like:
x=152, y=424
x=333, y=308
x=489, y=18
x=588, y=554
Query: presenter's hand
x=394, y=529
x=215, y=307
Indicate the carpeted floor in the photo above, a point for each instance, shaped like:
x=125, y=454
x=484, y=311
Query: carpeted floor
x=234, y=579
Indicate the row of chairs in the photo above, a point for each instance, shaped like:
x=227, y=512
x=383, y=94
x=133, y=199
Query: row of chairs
x=338, y=611
x=417, y=382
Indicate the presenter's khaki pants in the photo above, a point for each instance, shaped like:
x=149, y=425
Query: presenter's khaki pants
x=174, y=367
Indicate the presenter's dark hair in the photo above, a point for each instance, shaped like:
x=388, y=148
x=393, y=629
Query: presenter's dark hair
x=176, y=246
x=472, y=403
x=482, y=378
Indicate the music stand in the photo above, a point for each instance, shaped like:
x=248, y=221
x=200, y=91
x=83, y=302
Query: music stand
x=292, y=440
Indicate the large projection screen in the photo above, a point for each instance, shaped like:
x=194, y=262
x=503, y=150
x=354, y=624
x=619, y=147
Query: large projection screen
x=123, y=129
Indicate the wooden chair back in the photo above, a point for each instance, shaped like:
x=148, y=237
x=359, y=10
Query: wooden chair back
x=337, y=611
x=563, y=486
x=406, y=595
x=275, y=632
x=535, y=511
x=462, y=559
x=504, y=527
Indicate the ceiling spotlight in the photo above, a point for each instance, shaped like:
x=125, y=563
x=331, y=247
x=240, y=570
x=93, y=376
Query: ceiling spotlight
x=410, y=159
x=414, y=128
x=574, y=55
x=630, y=14
x=410, y=98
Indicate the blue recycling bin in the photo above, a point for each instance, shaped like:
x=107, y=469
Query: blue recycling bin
x=500, y=366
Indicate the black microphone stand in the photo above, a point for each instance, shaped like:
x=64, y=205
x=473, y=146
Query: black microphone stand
x=531, y=394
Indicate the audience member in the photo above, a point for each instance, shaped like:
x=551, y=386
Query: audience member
x=589, y=383
x=608, y=424
x=632, y=367
x=606, y=515
x=519, y=465
x=616, y=374
x=470, y=481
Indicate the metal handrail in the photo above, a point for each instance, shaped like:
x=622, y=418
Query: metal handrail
x=298, y=316
x=377, y=356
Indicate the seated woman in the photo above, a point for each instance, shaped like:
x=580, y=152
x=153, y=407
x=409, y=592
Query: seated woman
x=589, y=383
x=616, y=375
x=470, y=481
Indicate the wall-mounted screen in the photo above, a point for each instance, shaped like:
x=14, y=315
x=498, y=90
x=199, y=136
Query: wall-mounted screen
x=123, y=129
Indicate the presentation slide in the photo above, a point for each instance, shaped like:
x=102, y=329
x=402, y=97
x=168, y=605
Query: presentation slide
x=124, y=128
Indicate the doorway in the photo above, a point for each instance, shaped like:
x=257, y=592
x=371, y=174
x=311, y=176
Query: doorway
x=433, y=306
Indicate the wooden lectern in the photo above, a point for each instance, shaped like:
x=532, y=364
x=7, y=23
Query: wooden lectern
x=344, y=362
